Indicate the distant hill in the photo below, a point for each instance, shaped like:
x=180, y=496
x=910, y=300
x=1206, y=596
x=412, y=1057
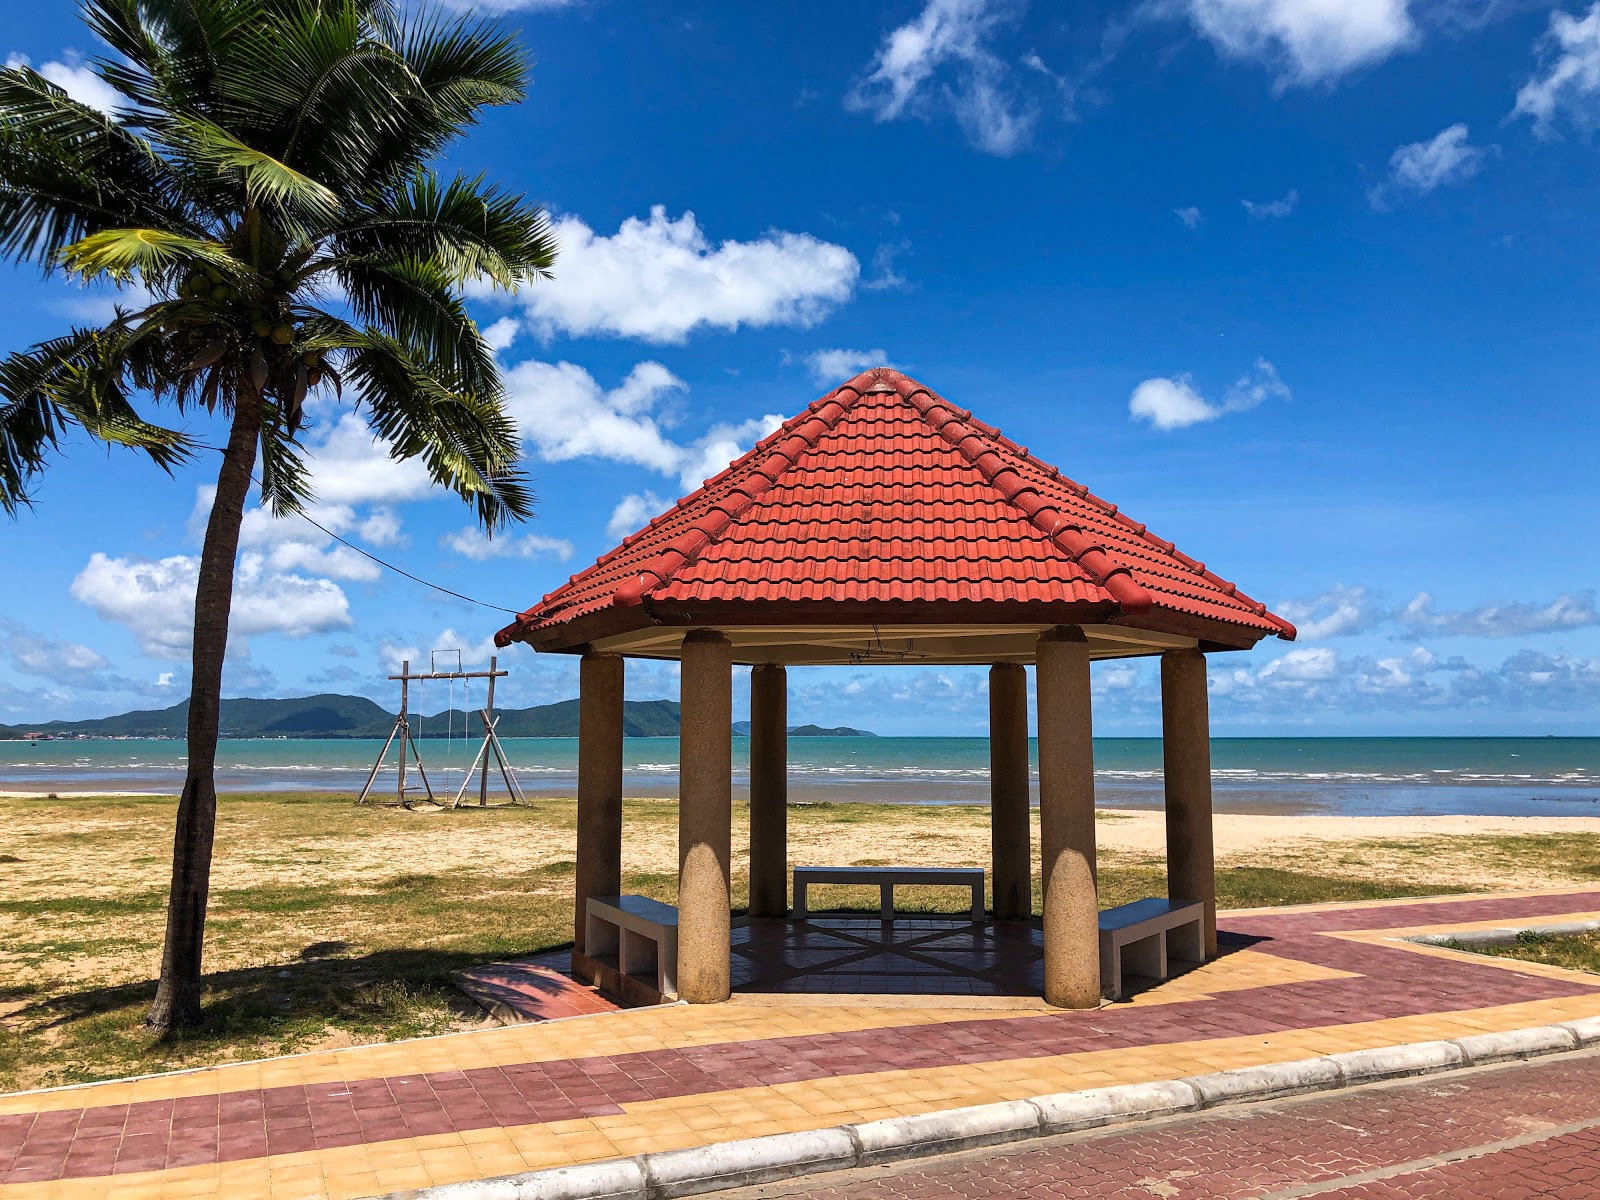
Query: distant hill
x=742, y=729
x=330, y=716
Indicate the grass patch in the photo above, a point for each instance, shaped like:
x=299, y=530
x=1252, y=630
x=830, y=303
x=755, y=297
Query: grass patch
x=331, y=924
x=1577, y=952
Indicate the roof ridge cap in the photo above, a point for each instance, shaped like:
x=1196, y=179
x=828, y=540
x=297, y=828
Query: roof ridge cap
x=1065, y=533
x=803, y=433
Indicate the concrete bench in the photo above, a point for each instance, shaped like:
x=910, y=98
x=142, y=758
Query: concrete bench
x=637, y=934
x=1146, y=937
x=886, y=879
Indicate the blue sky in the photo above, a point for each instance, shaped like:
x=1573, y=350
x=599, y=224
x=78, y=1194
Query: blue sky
x=1310, y=289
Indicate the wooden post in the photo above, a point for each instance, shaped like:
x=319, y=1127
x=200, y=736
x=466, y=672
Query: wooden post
x=488, y=725
x=769, y=791
x=405, y=728
x=1066, y=821
x=1186, y=767
x=1010, y=857
x=705, y=818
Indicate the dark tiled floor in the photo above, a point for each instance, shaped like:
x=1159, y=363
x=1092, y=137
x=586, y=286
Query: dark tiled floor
x=932, y=956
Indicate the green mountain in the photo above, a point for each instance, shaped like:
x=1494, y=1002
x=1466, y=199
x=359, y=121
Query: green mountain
x=742, y=729
x=330, y=716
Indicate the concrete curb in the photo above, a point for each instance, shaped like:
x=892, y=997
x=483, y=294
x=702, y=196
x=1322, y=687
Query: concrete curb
x=712, y=1168
x=1505, y=935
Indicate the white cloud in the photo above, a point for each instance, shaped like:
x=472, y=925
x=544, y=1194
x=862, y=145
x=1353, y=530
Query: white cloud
x=1310, y=665
x=1189, y=216
x=1170, y=403
x=471, y=542
x=155, y=600
x=164, y=680
x=78, y=79
x=1305, y=41
x=439, y=653
x=1278, y=208
x=887, y=278
x=633, y=511
x=836, y=366
x=502, y=333
x=1568, y=82
x=67, y=664
x=1175, y=404
x=565, y=414
x=1335, y=613
x=1565, y=612
x=505, y=6
x=660, y=280
x=949, y=38
x=1421, y=167
x=349, y=465
x=291, y=543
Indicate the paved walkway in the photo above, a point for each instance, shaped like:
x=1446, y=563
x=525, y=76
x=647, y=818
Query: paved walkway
x=1513, y=1133
x=372, y=1119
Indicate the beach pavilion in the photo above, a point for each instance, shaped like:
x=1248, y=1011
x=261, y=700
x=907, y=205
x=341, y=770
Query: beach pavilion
x=885, y=525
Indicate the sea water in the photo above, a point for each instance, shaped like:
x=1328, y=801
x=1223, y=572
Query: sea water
x=1354, y=776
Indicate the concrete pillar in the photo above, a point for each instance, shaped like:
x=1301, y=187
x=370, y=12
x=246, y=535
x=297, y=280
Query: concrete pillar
x=1186, y=764
x=705, y=817
x=1066, y=819
x=599, y=864
x=769, y=791
x=1011, y=864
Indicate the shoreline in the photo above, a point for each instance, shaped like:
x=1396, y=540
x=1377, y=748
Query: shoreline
x=1264, y=799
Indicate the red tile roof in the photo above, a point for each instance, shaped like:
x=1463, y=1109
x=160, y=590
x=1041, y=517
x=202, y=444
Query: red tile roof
x=883, y=494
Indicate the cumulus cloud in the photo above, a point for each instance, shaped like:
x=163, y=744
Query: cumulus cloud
x=633, y=512
x=1305, y=41
x=154, y=600
x=471, y=542
x=943, y=57
x=1173, y=403
x=1319, y=679
x=1567, y=83
x=349, y=465
x=660, y=280
x=70, y=665
x=1420, y=167
x=1274, y=209
x=291, y=543
x=1565, y=612
x=1190, y=216
x=498, y=7
x=77, y=78
x=837, y=365
x=1337, y=612
x=564, y=413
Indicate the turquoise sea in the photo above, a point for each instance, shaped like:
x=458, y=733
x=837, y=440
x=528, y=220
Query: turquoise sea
x=1367, y=776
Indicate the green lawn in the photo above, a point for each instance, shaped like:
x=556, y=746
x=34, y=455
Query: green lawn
x=331, y=924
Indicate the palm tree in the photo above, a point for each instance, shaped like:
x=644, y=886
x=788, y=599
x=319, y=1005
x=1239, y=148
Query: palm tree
x=267, y=182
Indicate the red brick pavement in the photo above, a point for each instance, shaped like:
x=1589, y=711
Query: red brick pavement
x=239, y=1125
x=1513, y=1133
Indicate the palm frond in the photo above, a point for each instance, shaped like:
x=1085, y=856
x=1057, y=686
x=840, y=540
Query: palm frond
x=285, y=479
x=120, y=253
x=75, y=380
x=266, y=180
x=412, y=300
x=471, y=229
x=67, y=170
x=468, y=445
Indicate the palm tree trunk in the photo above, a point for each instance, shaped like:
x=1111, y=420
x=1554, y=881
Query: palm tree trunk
x=177, y=1003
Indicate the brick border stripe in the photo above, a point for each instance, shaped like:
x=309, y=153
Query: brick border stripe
x=753, y=1161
